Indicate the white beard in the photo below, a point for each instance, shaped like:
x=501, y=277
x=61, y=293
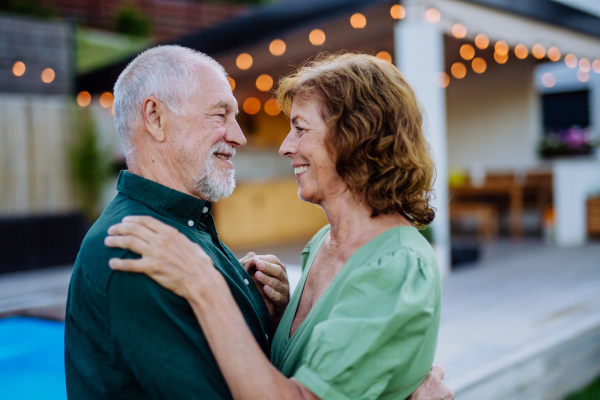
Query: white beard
x=214, y=184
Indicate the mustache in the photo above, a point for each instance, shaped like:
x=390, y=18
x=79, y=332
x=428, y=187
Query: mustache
x=223, y=148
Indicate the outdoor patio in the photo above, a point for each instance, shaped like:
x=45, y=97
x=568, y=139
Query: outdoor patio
x=522, y=323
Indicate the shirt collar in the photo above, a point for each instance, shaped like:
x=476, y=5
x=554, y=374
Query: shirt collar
x=171, y=203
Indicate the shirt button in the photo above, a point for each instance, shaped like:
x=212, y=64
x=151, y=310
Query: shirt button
x=267, y=336
x=246, y=281
x=191, y=223
x=205, y=210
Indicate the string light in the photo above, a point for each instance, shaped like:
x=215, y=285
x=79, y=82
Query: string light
x=571, y=60
x=479, y=65
x=481, y=41
x=459, y=31
x=501, y=47
x=358, y=21
x=458, y=70
x=521, y=51
x=251, y=105
x=84, y=99
x=19, y=68
x=384, y=55
x=583, y=76
x=442, y=79
x=231, y=83
x=548, y=80
x=397, y=11
x=596, y=66
x=264, y=82
x=554, y=53
x=433, y=16
x=585, y=65
x=316, y=37
x=272, y=107
x=501, y=59
x=277, y=47
x=48, y=75
x=538, y=51
x=106, y=99
x=467, y=51
x=244, y=61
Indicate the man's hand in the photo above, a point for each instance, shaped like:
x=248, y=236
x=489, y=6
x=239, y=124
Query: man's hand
x=270, y=277
x=432, y=387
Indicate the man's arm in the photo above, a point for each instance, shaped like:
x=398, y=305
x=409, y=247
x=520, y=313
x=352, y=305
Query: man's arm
x=432, y=387
x=156, y=335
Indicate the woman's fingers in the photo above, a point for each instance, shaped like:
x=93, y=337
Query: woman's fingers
x=151, y=223
x=275, y=296
x=129, y=265
x=274, y=270
x=132, y=229
x=267, y=280
x=129, y=242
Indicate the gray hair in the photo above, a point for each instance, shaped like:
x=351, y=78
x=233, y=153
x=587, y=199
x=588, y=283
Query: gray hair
x=167, y=72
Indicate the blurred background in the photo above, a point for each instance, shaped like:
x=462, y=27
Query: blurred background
x=511, y=93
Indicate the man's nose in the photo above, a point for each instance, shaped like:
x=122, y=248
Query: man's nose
x=288, y=147
x=234, y=135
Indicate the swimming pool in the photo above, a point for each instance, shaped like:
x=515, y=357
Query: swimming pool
x=32, y=359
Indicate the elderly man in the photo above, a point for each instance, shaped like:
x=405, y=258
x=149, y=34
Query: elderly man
x=126, y=336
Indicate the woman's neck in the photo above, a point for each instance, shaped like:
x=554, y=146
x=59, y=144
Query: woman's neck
x=352, y=225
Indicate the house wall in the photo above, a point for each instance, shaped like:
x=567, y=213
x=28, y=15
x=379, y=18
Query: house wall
x=494, y=119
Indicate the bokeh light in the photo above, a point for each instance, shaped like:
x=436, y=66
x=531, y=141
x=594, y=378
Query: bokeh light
x=251, y=105
x=467, y=51
x=19, y=68
x=596, y=66
x=501, y=47
x=397, y=11
x=272, y=107
x=479, y=65
x=358, y=21
x=554, y=53
x=583, y=76
x=316, y=37
x=585, y=65
x=84, y=99
x=264, y=82
x=548, y=79
x=571, y=60
x=106, y=99
x=501, y=59
x=384, y=55
x=432, y=15
x=48, y=75
x=441, y=79
x=459, y=31
x=538, y=51
x=458, y=70
x=521, y=51
x=277, y=47
x=481, y=41
x=244, y=61
x=231, y=83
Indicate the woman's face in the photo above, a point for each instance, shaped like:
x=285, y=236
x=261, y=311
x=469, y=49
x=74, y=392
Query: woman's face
x=305, y=145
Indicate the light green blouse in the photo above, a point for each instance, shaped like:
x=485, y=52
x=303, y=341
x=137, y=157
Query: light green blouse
x=373, y=333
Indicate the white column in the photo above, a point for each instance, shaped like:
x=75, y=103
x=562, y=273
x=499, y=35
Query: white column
x=419, y=48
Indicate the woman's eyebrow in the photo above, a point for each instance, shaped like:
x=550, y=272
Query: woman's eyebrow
x=296, y=118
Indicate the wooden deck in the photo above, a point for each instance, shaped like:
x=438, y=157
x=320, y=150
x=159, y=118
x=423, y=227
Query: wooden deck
x=523, y=324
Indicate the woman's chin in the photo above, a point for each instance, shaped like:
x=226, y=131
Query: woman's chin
x=306, y=195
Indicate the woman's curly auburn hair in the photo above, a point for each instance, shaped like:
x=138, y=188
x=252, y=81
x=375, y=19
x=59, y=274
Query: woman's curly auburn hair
x=375, y=136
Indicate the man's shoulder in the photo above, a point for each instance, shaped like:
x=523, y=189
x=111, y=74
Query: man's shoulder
x=92, y=260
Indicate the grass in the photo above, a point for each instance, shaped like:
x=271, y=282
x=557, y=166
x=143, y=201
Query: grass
x=592, y=392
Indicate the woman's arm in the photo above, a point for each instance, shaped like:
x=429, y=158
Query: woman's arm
x=184, y=268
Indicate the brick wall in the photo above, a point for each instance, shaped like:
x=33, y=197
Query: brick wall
x=169, y=18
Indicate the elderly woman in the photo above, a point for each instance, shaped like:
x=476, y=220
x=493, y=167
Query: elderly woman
x=364, y=320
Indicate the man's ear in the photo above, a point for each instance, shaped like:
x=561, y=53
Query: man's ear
x=153, y=114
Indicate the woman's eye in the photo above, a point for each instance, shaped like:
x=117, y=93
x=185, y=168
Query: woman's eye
x=298, y=129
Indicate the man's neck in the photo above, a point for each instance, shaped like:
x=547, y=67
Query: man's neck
x=155, y=169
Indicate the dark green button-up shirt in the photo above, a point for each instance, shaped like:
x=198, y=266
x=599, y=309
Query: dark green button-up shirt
x=126, y=337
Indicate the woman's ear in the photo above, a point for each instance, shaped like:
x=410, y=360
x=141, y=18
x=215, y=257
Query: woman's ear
x=154, y=118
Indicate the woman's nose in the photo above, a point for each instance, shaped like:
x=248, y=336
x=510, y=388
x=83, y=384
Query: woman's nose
x=288, y=147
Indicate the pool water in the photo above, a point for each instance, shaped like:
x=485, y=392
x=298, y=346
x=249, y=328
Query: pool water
x=32, y=359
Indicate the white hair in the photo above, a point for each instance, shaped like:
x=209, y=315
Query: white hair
x=170, y=73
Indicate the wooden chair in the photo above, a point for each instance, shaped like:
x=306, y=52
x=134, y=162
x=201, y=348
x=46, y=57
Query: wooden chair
x=486, y=216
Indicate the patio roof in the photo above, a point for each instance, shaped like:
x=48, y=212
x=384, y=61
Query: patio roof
x=283, y=18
